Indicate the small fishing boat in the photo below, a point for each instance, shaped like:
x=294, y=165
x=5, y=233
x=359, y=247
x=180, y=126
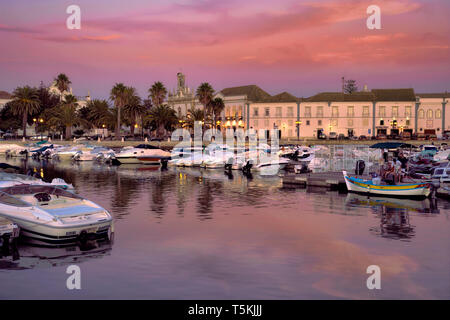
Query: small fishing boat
x=400, y=190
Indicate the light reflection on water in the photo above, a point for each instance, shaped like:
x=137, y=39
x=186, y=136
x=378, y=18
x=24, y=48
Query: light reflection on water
x=191, y=234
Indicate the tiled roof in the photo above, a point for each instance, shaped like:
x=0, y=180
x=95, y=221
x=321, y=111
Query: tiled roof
x=434, y=95
x=374, y=95
x=5, y=95
x=341, y=97
x=253, y=92
x=394, y=94
x=283, y=97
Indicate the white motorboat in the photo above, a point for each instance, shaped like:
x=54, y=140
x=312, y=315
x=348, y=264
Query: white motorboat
x=52, y=215
x=143, y=154
x=13, y=150
x=12, y=179
x=67, y=153
x=93, y=154
x=270, y=165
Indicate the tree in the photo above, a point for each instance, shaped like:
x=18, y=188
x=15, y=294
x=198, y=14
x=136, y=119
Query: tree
x=217, y=107
x=62, y=82
x=8, y=121
x=157, y=93
x=134, y=109
x=119, y=95
x=204, y=94
x=350, y=86
x=162, y=118
x=65, y=115
x=25, y=102
x=98, y=113
x=194, y=115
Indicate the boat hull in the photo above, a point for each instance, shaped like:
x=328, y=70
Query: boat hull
x=57, y=235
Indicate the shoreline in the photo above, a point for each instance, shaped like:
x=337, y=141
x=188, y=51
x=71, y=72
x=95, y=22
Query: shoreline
x=171, y=144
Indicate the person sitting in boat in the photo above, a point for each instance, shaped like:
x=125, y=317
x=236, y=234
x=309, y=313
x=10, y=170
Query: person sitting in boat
x=397, y=170
x=388, y=172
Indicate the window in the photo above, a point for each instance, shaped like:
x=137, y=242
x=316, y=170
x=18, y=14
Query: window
x=394, y=111
x=429, y=124
x=290, y=111
x=307, y=122
x=278, y=112
x=407, y=122
x=307, y=112
x=365, y=122
x=408, y=111
x=278, y=123
x=365, y=111
x=350, y=122
x=233, y=113
x=334, y=111
x=350, y=111
x=255, y=112
x=319, y=112
x=255, y=123
x=382, y=111
x=381, y=122
x=429, y=114
x=266, y=123
x=437, y=114
x=267, y=112
x=334, y=123
x=290, y=123
x=319, y=122
x=421, y=114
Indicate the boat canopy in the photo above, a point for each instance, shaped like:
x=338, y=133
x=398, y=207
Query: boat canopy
x=391, y=145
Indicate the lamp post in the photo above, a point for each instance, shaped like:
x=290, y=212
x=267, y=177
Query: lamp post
x=297, y=124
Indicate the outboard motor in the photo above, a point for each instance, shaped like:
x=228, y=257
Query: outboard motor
x=246, y=169
x=164, y=164
x=360, y=166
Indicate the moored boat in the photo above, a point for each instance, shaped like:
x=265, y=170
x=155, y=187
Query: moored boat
x=53, y=216
x=421, y=189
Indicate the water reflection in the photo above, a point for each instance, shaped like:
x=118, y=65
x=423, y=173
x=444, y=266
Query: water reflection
x=207, y=234
x=394, y=214
x=26, y=256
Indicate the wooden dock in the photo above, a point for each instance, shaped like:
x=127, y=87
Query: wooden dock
x=330, y=180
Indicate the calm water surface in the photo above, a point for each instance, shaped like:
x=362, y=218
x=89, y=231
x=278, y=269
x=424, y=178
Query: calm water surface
x=199, y=234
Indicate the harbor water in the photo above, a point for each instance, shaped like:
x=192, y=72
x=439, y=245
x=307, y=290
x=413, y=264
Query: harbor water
x=188, y=233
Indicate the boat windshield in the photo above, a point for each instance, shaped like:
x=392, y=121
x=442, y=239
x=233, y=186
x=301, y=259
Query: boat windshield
x=12, y=201
x=24, y=189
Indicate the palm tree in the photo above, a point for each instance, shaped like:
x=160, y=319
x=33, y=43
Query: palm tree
x=194, y=115
x=62, y=82
x=163, y=117
x=134, y=109
x=98, y=113
x=217, y=107
x=157, y=93
x=25, y=102
x=119, y=94
x=65, y=115
x=204, y=94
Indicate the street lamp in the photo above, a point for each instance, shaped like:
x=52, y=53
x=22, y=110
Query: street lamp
x=297, y=124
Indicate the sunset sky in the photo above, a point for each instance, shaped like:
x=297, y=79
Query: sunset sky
x=302, y=47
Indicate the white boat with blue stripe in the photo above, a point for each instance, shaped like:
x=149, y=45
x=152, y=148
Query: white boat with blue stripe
x=51, y=215
x=357, y=185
